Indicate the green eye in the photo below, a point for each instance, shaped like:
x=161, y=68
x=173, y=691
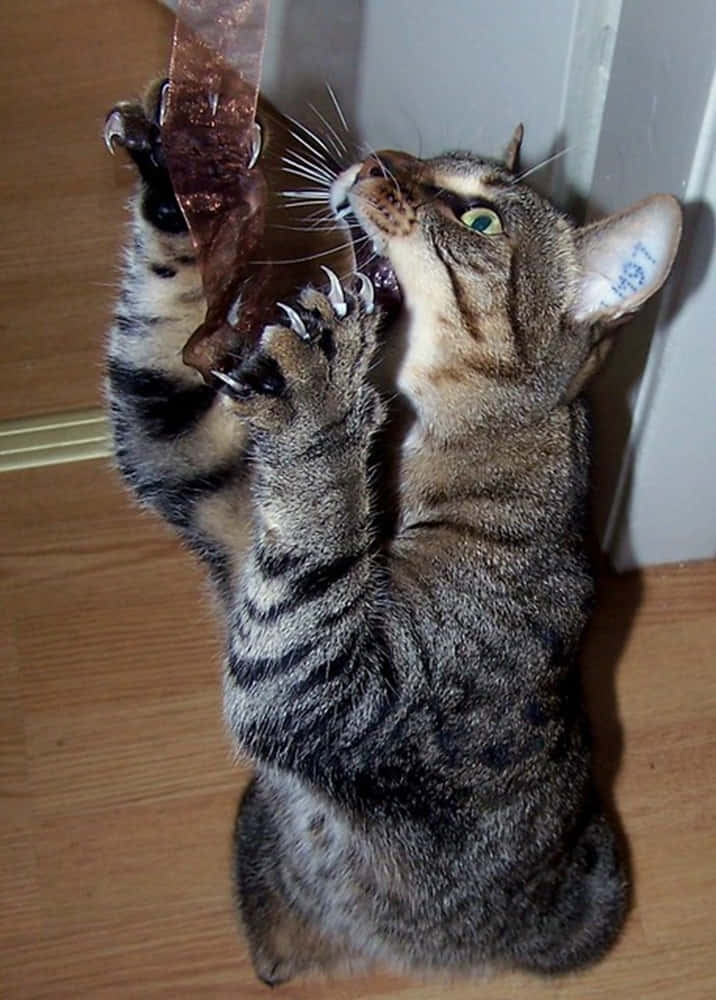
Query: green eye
x=482, y=220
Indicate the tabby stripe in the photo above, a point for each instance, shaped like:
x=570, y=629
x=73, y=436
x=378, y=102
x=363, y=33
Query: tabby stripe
x=344, y=611
x=273, y=565
x=385, y=702
x=327, y=443
x=177, y=500
x=500, y=535
x=132, y=324
x=465, y=308
x=326, y=672
x=165, y=406
x=519, y=338
x=249, y=670
x=163, y=271
x=454, y=526
x=305, y=588
x=311, y=734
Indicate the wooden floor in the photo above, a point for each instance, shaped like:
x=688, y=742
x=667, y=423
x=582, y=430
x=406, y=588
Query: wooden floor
x=118, y=787
x=63, y=65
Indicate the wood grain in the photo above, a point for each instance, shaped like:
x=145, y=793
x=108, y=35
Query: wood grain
x=118, y=785
x=63, y=64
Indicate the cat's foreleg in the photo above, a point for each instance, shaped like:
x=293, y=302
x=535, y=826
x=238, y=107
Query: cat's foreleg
x=304, y=678
x=176, y=441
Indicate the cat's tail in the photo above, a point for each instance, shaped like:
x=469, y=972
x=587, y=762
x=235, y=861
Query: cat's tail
x=588, y=907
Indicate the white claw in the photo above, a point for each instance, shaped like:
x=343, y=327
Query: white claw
x=257, y=140
x=335, y=293
x=366, y=291
x=297, y=324
x=113, y=129
x=227, y=380
x=163, y=102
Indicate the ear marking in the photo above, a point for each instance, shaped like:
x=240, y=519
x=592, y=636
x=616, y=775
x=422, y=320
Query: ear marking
x=625, y=259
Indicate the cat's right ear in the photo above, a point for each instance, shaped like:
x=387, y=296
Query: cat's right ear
x=625, y=259
x=512, y=153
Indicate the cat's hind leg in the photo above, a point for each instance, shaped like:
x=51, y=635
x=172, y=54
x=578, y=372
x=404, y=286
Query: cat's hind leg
x=588, y=907
x=282, y=942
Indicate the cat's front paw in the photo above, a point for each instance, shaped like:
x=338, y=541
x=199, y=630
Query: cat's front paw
x=310, y=374
x=136, y=127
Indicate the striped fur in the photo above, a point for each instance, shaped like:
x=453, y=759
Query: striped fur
x=408, y=696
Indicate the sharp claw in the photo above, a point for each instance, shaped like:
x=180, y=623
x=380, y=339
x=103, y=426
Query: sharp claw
x=335, y=293
x=297, y=324
x=256, y=144
x=163, y=102
x=227, y=380
x=366, y=291
x=113, y=130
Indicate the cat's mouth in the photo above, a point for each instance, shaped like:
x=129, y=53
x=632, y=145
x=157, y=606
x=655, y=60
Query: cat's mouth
x=367, y=243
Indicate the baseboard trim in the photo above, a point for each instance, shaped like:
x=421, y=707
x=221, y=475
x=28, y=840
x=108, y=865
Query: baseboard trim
x=31, y=442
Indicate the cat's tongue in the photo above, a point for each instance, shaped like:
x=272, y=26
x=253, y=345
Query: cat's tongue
x=380, y=272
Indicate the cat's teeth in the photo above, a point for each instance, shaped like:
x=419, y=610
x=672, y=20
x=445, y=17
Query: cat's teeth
x=335, y=293
x=366, y=291
x=227, y=380
x=297, y=324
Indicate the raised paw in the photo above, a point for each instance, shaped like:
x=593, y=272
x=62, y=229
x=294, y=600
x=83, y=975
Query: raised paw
x=136, y=127
x=310, y=371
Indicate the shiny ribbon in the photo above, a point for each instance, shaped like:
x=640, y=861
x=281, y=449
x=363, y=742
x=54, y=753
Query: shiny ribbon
x=208, y=139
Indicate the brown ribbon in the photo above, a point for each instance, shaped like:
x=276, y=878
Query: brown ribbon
x=207, y=137
x=251, y=246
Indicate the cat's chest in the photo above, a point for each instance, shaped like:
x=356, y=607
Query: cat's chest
x=411, y=353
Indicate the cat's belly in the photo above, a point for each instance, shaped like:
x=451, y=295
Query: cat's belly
x=384, y=896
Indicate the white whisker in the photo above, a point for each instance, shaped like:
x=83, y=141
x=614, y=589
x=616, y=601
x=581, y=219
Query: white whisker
x=305, y=229
x=305, y=204
x=386, y=172
x=314, y=193
x=314, y=256
x=333, y=137
x=543, y=163
x=317, y=178
x=296, y=160
x=315, y=171
x=336, y=105
x=310, y=133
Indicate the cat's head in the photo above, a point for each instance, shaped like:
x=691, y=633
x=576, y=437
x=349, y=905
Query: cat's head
x=509, y=307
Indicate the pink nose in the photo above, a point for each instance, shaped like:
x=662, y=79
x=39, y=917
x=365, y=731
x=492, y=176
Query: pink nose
x=387, y=163
x=371, y=167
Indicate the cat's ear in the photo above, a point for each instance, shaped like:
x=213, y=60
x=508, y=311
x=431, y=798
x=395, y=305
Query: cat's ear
x=624, y=259
x=512, y=153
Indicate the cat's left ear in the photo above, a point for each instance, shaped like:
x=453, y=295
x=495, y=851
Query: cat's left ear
x=512, y=153
x=624, y=259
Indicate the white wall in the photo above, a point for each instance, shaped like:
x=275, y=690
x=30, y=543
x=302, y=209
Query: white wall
x=668, y=504
x=653, y=123
x=427, y=76
x=463, y=73
x=623, y=84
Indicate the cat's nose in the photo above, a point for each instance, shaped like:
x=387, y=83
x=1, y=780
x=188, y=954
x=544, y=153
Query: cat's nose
x=386, y=163
x=371, y=167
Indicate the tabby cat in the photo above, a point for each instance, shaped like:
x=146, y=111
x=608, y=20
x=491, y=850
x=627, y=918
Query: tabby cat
x=401, y=571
